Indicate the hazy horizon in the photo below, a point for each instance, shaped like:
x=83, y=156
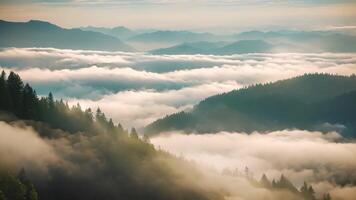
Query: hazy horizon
x=203, y=15
x=195, y=100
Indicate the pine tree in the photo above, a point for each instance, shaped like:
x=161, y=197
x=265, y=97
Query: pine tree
x=30, y=103
x=307, y=192
x=15, y=88
x=265, y=182
x=134, y=134
x=31, y=193
x=5, y=103
x=286, y=184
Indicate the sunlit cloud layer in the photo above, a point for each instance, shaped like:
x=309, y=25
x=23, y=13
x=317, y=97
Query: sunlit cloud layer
x=137, y=88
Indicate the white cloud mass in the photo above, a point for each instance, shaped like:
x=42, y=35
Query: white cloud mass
x=137, y=88
x=324, y=160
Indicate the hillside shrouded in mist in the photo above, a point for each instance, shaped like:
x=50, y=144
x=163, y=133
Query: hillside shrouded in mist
x=177, y=100
x=312, y=102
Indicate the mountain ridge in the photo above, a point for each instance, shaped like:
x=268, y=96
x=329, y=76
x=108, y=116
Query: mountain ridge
x=304, y=102
x=36, y=33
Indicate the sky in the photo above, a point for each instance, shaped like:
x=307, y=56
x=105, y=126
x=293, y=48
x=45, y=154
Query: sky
x=203, y=15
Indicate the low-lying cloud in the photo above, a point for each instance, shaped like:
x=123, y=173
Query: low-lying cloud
x=23, y=147
x=138, y=108
x=94, y=77
x=325, y=160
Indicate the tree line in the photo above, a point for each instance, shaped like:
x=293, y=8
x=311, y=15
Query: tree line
x=306, y=191
x=21, y=100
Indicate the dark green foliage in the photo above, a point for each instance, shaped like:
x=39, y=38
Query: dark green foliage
x=11, y=187
x=5, y=102
x=15, y=89
x=99, y=160
x=30, y=193
x=304, y=102
x=23, y=102
x=16, y=188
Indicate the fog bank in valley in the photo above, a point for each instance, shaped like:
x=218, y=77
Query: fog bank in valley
x=137, y=88
x=324, y=160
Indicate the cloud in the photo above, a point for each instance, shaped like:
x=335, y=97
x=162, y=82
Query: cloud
x=115, y=80
x=98, y=166
x=138, y=108
x=32, y=146
x=301, y=155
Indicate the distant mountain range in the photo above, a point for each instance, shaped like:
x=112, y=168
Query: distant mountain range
x=43, y=34
x=218, y=48
x=173, y=36
x=313, y=102
x=269, y=42
x=120, y=32
x=305, y=41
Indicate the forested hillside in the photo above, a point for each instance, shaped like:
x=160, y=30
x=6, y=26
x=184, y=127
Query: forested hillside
x=311, y=101
x=94, y=158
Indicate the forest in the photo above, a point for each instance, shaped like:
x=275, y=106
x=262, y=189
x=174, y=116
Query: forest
x=96, y=159
x=307, y=102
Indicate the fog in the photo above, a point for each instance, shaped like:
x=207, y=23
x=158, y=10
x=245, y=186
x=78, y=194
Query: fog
x=103, y=165
x=137, y=88
x=324, y=160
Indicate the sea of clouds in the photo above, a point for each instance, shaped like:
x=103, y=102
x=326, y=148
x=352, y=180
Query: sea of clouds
x=326, y=161
x=137, y=88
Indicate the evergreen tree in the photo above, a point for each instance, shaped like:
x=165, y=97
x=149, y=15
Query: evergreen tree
x=31, y=193
x=265, y=182
x=5, y=102
x=284, y=183
x=134, y=134
x=11, y=187
x=307, y=192
x=101, y=118
x=146, y=138
x=15, y=88
x=30, y=103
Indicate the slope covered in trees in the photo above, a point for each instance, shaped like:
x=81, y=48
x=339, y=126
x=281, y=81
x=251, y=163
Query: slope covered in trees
x=311, y=101
x=94, y=158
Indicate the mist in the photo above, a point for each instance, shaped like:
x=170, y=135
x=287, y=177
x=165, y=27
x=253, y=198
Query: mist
x=137, y=88
x=324, y=160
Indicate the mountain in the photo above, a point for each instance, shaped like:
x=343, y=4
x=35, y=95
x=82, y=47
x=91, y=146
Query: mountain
x=173, y=36
x=163, y=39
x=71, y=154
x=304, y=41
x=43, y=34
x=311, y=101
x=120, y=32
x=217, y=48
x=179, y=50
x=244, y=46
